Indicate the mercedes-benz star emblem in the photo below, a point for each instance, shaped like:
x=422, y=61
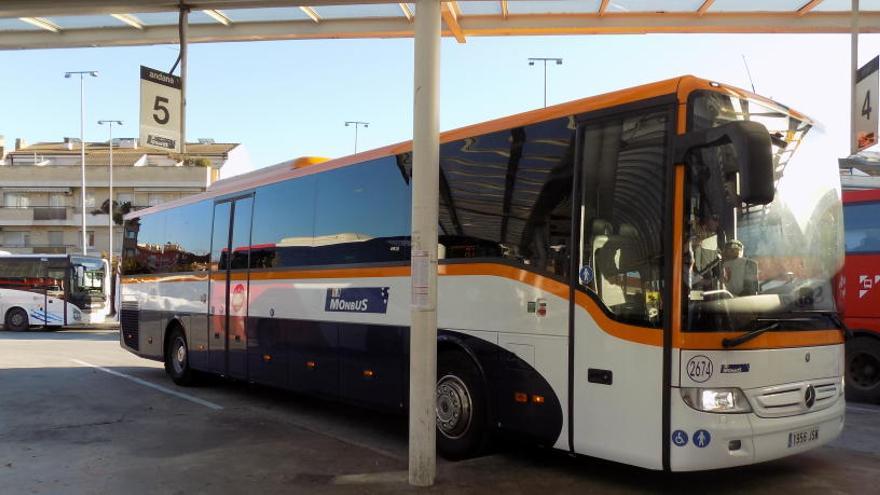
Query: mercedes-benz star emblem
x=810, y=396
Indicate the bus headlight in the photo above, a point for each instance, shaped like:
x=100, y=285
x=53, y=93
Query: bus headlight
x=716, y=400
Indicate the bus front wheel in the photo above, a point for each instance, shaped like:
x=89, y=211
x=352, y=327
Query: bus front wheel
x=863, y=369
x=461, y=407
x=177, y=359
x=16, y=320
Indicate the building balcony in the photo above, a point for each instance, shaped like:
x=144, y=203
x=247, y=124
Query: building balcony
x=39, y=249
x=51, y=216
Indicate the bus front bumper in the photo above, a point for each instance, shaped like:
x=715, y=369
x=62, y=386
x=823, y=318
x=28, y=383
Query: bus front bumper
x=715, y=441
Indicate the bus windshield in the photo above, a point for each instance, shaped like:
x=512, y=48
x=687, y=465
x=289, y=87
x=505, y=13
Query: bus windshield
x=87, y=276
x=750, y=266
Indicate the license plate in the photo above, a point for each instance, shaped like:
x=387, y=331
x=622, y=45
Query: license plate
x=796, y=438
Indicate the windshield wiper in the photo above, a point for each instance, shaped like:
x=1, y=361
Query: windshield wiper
x=728, y=343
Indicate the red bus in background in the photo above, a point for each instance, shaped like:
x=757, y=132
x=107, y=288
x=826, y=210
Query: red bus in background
x=859, y=293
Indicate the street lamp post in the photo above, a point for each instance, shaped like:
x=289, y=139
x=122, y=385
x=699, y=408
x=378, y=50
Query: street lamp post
x=110, y=201
x=356, y=123
x=82, y=145
x=532, y=61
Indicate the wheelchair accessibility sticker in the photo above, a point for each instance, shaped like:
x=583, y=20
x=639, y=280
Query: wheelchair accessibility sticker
x=679, y=438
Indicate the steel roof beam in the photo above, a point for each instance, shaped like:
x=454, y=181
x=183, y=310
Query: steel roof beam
x=54, y=8
x=399, y=27
x=450, y=12
x=129, y=19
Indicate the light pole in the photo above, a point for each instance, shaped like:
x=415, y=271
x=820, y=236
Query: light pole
x=82, y=145
x=532, y=61
x=356, y=123
x=110, y=201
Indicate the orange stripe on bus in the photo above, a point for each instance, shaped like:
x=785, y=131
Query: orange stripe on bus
x=631, y=333
x=677, y=248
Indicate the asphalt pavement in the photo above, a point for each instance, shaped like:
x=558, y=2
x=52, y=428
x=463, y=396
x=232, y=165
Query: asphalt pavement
x=80, y=415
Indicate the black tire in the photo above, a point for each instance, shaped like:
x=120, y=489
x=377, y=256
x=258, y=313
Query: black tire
x=863, y=369
x=16, y=320
x=462, y=429
x=177, y=359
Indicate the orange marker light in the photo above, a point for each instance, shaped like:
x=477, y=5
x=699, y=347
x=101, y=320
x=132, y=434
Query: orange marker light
x=368, y=373
x=267, y=357
x=521, y=397
x=311, y=365
x=537, y=399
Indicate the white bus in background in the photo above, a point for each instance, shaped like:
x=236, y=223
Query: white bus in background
x=54, y=290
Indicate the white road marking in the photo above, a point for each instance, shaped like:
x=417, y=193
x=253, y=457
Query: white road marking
x=160, y=388
x=368, y=478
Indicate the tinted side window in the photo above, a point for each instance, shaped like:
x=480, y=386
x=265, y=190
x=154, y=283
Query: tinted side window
x=284, y=223
x=362, y=214
x=623, y=178
x=188, y=232
x=508, y=195
x=149, y=236
x=862, y=227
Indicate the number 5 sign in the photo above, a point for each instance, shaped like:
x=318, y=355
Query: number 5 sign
x=867, y=88
x=160, y=110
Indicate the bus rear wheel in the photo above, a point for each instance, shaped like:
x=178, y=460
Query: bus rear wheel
x=177, y=359
x=863, y=370
x=461, y=408
x=16, y=320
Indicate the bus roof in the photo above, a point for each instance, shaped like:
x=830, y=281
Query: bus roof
x=680, y=86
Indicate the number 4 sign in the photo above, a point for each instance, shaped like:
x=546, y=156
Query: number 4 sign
x=160, y=110
x=866, y=111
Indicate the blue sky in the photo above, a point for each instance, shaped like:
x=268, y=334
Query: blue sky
x=290, y=99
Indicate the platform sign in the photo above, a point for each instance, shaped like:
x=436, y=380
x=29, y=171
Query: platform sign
x=160, y=110
x=866, y=109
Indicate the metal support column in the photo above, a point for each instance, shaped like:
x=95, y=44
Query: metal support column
x=184, y=23
x=854, y=66
x=425, y=194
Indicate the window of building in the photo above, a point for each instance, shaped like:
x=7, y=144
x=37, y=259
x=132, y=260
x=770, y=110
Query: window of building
x=16, y=200
x=123, y=198
x=56, y=238
x=90, y=235
x=17, y=239
x=57, y=200
x=154, y=199
x=622, y=178
x=91, y=202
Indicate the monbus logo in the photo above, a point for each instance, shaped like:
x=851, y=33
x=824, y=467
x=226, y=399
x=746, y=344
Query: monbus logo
x=357, y=300
x=866, y=283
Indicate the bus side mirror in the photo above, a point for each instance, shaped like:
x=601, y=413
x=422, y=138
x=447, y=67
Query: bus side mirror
x=752, y=156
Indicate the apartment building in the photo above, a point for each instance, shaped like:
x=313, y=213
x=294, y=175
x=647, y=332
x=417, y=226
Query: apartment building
x=41, y=195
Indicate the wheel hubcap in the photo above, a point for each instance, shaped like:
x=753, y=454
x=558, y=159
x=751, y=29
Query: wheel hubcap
x=454, y=407
x=17, y=319
x=180, y=356
x=864, y=370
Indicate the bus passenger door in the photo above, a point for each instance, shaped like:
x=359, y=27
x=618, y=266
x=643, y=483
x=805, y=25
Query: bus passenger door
x=237, y=309
x=617, y=379
x=219, y=287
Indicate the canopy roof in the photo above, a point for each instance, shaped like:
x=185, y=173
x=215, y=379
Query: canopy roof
x=28, y=24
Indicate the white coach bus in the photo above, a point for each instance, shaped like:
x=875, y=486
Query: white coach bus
x=53, y=290
x=594, y=295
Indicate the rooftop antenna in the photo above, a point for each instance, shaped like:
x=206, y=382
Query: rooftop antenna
x=750, y=74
